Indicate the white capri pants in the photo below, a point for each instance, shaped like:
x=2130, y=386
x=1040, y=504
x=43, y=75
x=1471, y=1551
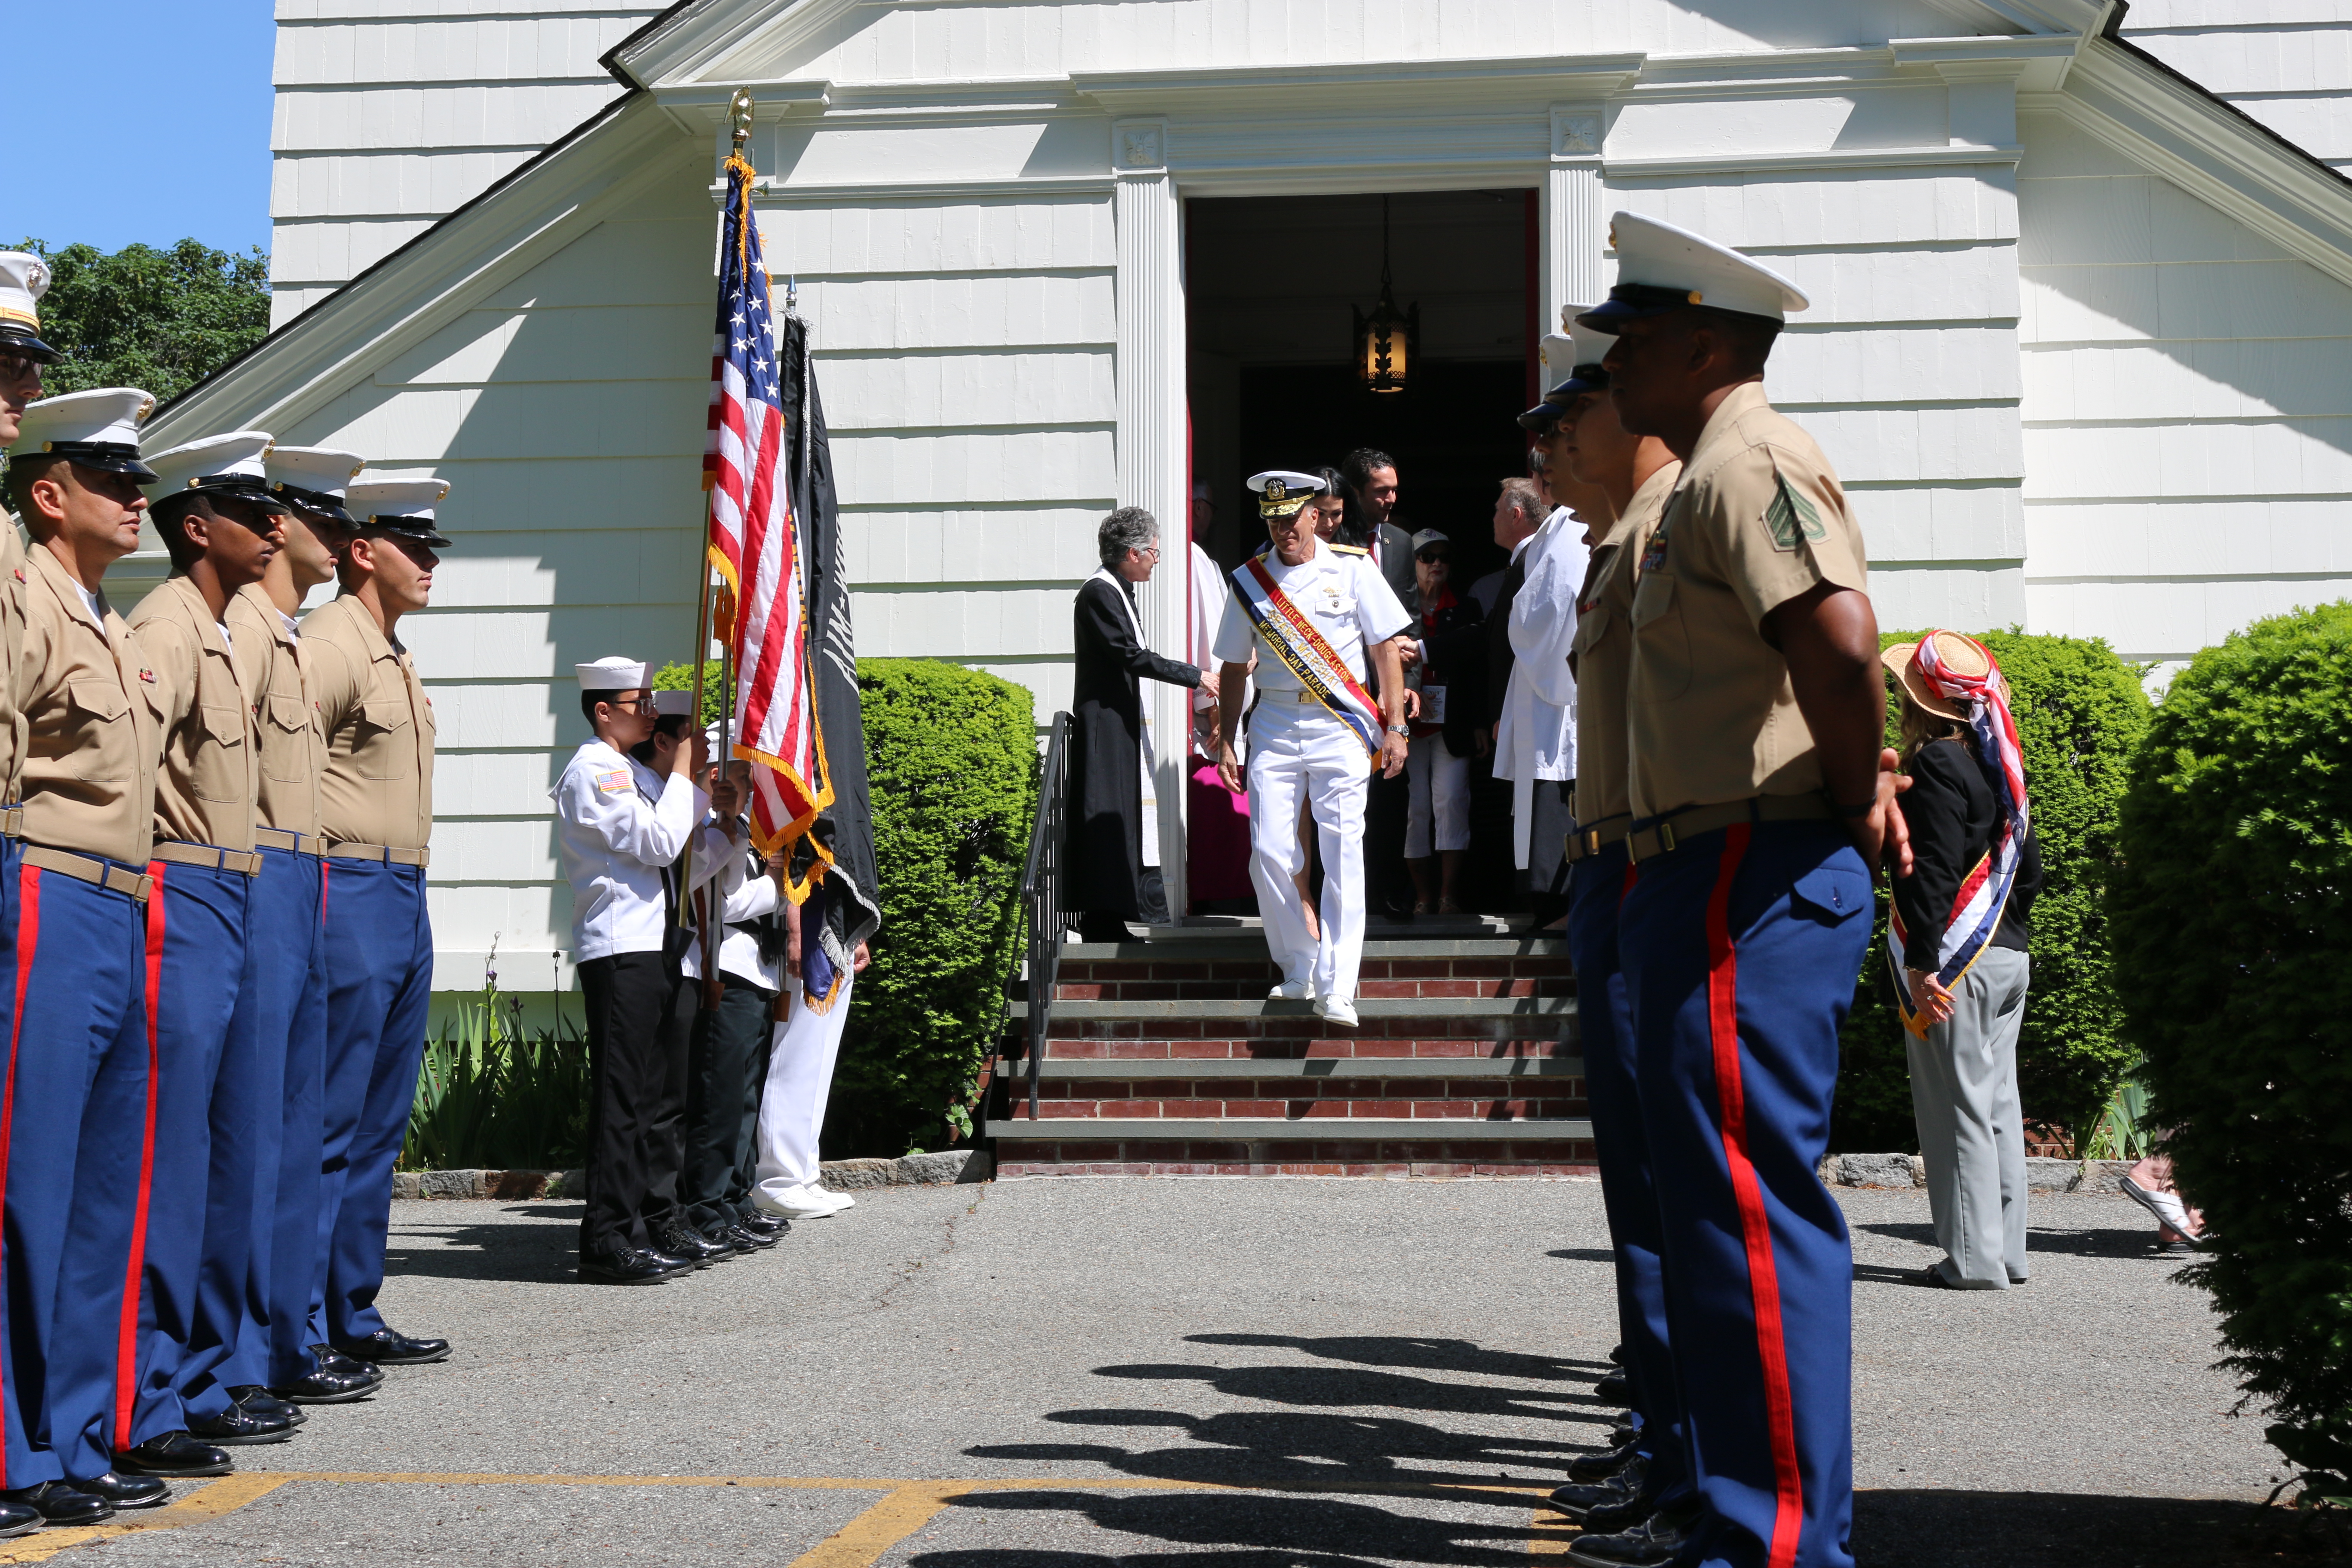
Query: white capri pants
x=1441, y=794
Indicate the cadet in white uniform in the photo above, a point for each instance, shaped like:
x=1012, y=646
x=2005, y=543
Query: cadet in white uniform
x=619, y=832
x=1311, y=609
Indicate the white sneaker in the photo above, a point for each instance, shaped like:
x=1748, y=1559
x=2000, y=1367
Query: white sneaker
x=799, y=1202
x=1293, y=991
x=841, y=1200
x=1337, y=1010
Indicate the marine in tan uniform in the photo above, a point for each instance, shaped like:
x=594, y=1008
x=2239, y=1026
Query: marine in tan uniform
x=1761, y=800
x=1634, y=475
x=281, y=1349
x=221, y=527
x=376, y=814
x=80, y=1046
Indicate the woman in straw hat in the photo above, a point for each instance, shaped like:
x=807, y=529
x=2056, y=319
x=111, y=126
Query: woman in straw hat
x=1957, y=949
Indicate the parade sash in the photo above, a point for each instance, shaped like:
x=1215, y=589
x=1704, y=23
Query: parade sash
x=1984, y=892
x=1305, y=652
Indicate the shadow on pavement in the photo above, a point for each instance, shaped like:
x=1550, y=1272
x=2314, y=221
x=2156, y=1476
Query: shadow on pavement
x=1264, y=1530
x=1920, y=1528
x=500, y=1253
x=1427, y=1355
x=1333, y=1388
x=1583, y=1254
x=2107, y=1241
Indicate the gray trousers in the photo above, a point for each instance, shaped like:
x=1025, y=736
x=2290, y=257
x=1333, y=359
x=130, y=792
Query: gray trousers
x=1963, y=1097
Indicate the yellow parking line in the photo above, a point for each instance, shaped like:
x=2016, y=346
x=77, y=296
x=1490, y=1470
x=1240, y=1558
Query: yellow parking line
x=905, y=1507
x=1548, y=1533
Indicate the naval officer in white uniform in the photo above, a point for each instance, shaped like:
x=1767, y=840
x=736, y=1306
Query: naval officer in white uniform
x=1309, y=609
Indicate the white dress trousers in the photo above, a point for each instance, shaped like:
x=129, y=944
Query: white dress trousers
x=800, y=1082
x=1299, y=751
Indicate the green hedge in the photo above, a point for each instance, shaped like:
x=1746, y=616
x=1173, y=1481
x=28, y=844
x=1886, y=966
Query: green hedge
x=951, y=761
x=2231, y=918
x=2080, y=712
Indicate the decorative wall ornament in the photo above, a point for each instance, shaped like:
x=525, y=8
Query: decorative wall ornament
x=1138, y=145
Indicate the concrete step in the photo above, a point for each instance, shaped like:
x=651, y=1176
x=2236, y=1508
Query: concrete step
x=1172, y=1009
x=1313, y=1068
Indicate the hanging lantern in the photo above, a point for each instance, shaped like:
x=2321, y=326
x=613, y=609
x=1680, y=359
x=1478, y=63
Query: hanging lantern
x=1384, y=339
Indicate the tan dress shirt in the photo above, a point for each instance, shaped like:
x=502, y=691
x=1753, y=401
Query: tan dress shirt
x=1759, y=519
x=1604, y=657
x=204, y=795
x=378, y=787
x=93, y=736
x=13, y=583
x=269, y=666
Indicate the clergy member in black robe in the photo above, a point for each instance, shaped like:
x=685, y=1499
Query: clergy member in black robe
x=1104, y=853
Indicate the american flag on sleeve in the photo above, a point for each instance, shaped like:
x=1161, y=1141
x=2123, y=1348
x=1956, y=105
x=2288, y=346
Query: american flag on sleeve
x=756, y=543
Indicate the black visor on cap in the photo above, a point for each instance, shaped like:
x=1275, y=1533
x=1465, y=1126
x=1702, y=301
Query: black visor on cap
x=107, y=457
x=312, y=503
x=237, y=486
x=420, y=529
x=21, y=340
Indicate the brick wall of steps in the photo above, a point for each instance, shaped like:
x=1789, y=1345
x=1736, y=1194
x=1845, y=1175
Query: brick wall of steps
x=1166, y=1057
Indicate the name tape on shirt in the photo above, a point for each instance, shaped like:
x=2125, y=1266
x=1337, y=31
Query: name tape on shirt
x=616, y=781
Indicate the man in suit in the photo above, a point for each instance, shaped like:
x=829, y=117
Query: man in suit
x=1108, y=743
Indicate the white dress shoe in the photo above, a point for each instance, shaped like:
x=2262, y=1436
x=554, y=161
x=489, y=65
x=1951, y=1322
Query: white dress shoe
x=1337, y=1010
x=799, y=1202
x=1293, y=991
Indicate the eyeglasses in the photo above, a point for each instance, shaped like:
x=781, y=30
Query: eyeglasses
x=632, y=705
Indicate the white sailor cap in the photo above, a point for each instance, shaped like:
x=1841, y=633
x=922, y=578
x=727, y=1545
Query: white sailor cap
x=612, y=673
x=672, y=704
x=23, y=278
x=1663, y=267
x=312, y=478
x=1281, y=492
x=98, y=429
x=403, y=507
x=1571, y=365
x=227, y=465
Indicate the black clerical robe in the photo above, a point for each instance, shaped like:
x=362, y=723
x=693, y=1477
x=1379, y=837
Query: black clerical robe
x=1104, y=853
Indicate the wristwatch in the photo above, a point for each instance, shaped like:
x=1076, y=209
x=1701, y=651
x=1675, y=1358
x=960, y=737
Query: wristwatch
x=1400, y=730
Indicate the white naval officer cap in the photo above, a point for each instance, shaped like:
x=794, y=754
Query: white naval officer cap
x=23, y=278
x=98, y=429
x=403, y=507
x=313, y=477
x=612, y=673
x=1662, y=267
x=229, y=465
x=671, y=704
x=1281, y=492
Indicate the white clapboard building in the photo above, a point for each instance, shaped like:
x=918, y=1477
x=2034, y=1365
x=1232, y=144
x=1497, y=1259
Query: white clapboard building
x=2082, y=283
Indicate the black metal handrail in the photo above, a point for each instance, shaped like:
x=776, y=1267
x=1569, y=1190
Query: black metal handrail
x=1041, y=912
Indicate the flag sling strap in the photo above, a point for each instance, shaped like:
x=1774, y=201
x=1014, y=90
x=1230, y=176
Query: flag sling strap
x=1305, y=653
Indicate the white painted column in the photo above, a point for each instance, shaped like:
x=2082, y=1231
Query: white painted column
x=1150, y=372
x=1575, y=228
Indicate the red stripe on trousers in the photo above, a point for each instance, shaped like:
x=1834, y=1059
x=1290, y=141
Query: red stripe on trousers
x=1755, y=1226
x=29, y=941
x=126, y=1347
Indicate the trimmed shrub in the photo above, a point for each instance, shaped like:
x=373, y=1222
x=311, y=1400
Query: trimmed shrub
x=2080, y=712
x=951, y=761
x=2231, y=923
x=680, y=677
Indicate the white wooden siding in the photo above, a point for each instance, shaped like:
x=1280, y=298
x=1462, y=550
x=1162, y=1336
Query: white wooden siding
x=391, y=113
x=1904, y=369
x=2188, y=410
x=2288, y=63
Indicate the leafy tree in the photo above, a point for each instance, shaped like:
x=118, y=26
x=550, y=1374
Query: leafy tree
x=161, y=320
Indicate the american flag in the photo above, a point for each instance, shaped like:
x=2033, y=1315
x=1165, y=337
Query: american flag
x=755, y=540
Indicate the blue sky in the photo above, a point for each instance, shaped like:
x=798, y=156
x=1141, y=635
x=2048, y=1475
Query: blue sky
x=139, y=120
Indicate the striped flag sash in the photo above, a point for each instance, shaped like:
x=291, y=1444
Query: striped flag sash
x=1305, y=653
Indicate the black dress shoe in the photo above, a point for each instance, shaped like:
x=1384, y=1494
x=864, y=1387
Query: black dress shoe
x=256, y=1400
x=126, y=1491
x=679, y=1240
x=1602, y=1466
x=16, y=1519
x=237, y=1426
x=59, y=1503
x=747, y=1241
x=326, y=1388
x=1614, y=1388
x=1617, y=1355
x=1650, y=1544
x=1579, y=1499
x=768, y=1225
x=173, y=1454
x=1622, y=1432
x=334, y=1360
x=631, y=1266
x=384, y=1348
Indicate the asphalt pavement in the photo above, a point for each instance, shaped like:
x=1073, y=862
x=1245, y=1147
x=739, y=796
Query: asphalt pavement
x=1249, y=1373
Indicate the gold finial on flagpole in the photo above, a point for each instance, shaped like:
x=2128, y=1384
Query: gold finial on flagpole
x=738, y=113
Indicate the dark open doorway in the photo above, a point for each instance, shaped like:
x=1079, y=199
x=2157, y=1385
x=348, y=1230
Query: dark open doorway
x=1269, y=286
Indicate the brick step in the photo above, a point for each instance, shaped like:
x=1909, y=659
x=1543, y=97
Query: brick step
x=1294, y=1101
x=1171, y=1147
x=1170, y=1009
x=1241, y=967
x=1566, y=1064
